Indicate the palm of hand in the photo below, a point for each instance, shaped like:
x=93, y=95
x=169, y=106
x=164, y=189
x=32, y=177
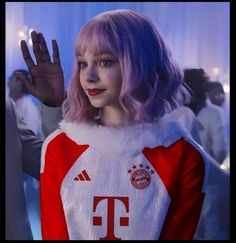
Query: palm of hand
x=48, y=81
x=47, y=76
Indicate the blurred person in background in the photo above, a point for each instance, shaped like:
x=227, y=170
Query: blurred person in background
x=25, y=157
x=213, y=135
x=214, y=221
x=216, y=95
x=24, y=102
x=31, y=115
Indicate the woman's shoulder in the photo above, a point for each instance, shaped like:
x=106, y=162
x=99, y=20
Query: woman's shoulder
x=53, y=137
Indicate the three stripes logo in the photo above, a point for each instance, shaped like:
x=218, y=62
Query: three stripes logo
x=83, y=176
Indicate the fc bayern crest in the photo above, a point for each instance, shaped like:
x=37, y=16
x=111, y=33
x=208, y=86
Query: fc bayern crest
x=140, y=176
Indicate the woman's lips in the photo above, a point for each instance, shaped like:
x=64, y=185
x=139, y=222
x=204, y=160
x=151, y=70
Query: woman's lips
x=94, y=92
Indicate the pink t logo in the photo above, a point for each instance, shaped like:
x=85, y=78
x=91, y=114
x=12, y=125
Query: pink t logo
x=124, y=221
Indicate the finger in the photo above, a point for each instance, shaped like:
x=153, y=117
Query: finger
x=25, y=81
x=36, y=47
x=56, y=57
x=26, y=55
x=44, y=48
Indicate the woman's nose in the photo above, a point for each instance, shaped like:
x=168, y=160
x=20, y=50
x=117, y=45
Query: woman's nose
x=91, y=75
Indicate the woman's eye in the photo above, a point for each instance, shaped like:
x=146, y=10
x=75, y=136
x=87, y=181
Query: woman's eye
x=82, y=64
x=106, y=63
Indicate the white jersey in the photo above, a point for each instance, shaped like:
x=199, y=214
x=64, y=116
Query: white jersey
x=140, y=182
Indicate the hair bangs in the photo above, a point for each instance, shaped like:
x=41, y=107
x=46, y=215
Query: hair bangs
x=98, y=37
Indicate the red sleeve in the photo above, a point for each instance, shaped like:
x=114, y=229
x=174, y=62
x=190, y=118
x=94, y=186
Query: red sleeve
x=56, y=163
x=182, y=170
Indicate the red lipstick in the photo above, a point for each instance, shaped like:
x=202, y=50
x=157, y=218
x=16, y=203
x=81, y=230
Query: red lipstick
x=94, y=92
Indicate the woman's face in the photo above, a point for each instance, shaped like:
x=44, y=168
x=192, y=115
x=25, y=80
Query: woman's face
x=100, y=78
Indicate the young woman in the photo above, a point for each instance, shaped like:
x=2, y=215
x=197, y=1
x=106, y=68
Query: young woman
x=114, y=170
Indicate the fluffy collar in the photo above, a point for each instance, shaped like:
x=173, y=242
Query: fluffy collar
x=129, y=139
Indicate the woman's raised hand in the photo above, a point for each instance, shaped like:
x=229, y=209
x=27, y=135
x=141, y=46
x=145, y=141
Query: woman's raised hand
x=47, y=76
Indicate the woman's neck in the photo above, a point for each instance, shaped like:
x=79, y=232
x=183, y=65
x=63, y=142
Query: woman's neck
x=113, y=116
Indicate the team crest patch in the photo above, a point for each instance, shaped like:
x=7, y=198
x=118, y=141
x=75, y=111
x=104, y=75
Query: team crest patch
x=140, y=176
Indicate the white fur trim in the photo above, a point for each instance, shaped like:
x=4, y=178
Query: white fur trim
x=129, y=139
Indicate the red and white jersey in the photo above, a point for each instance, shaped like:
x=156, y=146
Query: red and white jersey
x=141, y=182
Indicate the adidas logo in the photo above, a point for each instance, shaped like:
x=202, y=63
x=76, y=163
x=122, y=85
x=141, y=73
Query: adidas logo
x=83, y=176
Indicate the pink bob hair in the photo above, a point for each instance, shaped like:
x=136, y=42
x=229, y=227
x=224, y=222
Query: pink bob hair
x=151, y=80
